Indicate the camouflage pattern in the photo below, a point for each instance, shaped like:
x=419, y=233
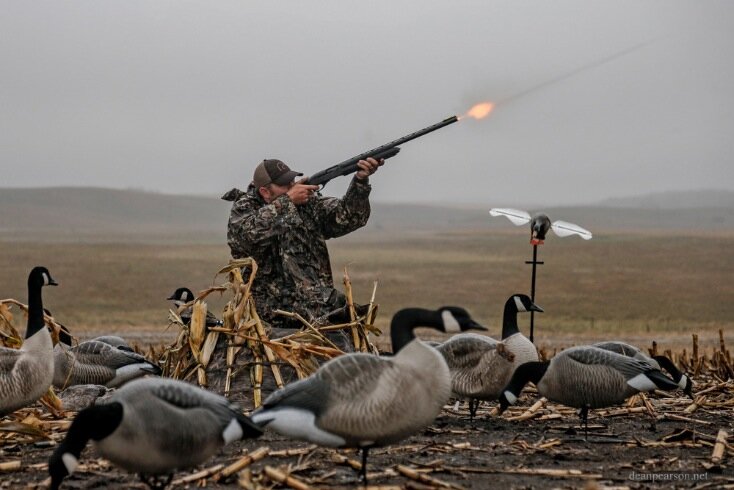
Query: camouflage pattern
x=288, y=242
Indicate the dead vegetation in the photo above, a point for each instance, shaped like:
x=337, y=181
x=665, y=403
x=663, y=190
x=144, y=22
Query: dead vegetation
x=241, y=358
x=523, y=447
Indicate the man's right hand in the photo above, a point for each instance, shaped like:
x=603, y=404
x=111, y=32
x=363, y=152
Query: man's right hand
x=300, y=193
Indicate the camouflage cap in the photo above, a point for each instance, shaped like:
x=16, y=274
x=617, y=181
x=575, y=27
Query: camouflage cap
x=272, y=171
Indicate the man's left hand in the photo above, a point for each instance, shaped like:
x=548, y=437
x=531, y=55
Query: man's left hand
x=368, y=167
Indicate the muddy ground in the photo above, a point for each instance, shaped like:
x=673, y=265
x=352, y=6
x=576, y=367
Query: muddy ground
x=546, y=451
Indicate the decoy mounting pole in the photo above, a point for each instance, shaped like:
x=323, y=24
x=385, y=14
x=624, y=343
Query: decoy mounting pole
x=534, y=262
x=540, y=224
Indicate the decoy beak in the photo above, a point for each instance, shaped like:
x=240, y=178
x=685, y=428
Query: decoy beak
x=476, y=326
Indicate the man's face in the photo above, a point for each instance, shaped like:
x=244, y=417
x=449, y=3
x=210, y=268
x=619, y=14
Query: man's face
x=271, y=192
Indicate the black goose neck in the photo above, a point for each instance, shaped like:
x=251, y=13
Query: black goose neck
x=96, y=422
x=667, y=364
x=509, y=319
x=530, y=372
x=404, y=321
x=35, y=308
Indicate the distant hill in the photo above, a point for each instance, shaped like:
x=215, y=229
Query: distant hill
x=67, y=212
x=705, y=198
x=94, y=214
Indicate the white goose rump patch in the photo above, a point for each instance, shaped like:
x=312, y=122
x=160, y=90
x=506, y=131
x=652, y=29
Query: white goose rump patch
x=641, y=383
x=297, y=423
x=232, y=432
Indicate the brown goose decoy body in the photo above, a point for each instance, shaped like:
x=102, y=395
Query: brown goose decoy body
x=153, y=426
x=97, y=363
x=586, y=377
x=658, y=362
x=363, y=400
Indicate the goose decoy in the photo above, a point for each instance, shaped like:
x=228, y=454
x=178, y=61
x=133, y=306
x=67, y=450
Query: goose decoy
x=26, y=373
x=519, y=345
x=480, y=366
x=658, y=362
x=586, y=377
x=363, y=400
x=114, y=341
x=153, y=427
x=181, y=297
x=97, y=363
x=540, y=224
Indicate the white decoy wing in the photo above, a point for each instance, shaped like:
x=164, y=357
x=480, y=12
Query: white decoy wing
x=564, y=229
x=517, y=216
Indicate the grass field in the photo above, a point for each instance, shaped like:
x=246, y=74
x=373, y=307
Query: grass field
x=629, y=285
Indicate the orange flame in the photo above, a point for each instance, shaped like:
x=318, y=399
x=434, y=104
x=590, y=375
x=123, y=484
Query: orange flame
x=480, y=111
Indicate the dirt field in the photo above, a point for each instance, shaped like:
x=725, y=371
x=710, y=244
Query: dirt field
x=549, y=450
x=631, y=287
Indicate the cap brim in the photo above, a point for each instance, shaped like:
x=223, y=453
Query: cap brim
x=287, y=178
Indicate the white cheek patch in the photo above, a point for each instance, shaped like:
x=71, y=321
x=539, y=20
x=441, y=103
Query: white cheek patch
x=185, y=297
x=519, y=305
x=233, y=432
x=46, y=280
x=70, y=462
x=450, y=324
x=641, y=383
x=511, y=398
x=683, y=381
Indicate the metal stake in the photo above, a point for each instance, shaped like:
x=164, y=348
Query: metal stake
x=532, y=287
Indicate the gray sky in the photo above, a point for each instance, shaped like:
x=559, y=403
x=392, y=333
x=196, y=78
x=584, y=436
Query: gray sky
x=185, y=96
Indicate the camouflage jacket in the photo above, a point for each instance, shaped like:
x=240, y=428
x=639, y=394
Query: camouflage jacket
x=288, y=242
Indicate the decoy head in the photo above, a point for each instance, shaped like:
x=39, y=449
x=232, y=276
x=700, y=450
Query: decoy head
x=457, y=319
x=96, y=423
x=181, y=296
x=528, y=372
x=539, y=226
x=40, y=276
x=60, y=465
x=682, y=379
x=506, y=399
x=523, y=303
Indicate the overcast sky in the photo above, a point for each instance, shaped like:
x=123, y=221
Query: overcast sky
x=184, y=96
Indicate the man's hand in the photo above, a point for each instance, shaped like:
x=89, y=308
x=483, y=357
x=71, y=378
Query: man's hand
x=368, y=167
x=300, y=192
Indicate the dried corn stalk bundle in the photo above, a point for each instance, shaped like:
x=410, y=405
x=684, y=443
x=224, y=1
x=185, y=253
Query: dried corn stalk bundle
x=240, y=359
x=9, y=336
